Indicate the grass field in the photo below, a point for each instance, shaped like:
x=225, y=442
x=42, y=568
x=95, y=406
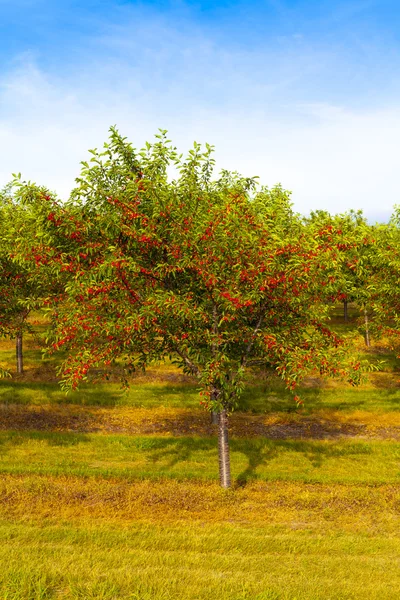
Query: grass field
x=111, y=495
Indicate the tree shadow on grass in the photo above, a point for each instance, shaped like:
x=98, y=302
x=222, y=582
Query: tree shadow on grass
x=389, y=382
x=180, y=450
x=261, y=452
x=188, y=458
x=185, y=452
x=18, y=438
x=13, y=391
x=266, y=399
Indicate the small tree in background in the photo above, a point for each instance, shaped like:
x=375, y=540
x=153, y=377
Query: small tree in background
x=384, y=283
x=215, y=274
x=24, y=285
x=354, y=273
x=16, y=285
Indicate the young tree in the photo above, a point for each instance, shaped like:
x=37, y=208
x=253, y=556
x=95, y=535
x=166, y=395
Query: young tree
x=24, y=285
x=15, y=284
x=354, y=273
x=385, y=277
x=216, y=274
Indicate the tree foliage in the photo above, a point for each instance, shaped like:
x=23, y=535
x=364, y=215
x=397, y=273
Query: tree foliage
x=218, y=274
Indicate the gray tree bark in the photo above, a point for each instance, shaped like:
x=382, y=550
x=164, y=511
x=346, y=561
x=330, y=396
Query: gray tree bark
x=345, y=311
x=223, y=450
x=367, y=339
x=18, y=351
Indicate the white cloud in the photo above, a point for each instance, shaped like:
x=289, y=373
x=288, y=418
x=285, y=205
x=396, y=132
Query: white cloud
x=331, y=157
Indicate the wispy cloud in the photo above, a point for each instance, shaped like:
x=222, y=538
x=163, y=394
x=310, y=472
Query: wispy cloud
x=277, y=109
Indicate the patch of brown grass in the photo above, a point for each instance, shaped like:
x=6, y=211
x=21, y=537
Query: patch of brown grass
x=315, y=506
x=322, y=424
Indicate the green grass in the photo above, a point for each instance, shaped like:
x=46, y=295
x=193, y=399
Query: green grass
x=102, y=394
x=259, y=397
x=162, y=386
x=87, y=516
x=151, y=457
x=197, y=561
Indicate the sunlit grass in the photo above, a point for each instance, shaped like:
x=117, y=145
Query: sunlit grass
x=109, y=495
x=382, y=393
x=153, y=457
x=149, y=561
x=96, y=538
x=101, y=394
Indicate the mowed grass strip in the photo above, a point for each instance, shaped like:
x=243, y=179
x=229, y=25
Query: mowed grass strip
x=152, y=457
x=201, y=562
x=168, y=388
x=90, y=539
x=41, y=390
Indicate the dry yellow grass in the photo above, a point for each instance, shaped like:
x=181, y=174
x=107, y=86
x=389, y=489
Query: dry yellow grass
x=319, y=507
x=166, y=421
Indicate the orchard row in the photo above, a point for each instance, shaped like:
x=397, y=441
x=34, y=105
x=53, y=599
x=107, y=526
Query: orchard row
x=214, y=271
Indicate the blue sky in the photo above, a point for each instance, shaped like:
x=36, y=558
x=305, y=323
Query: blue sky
x=304, y=93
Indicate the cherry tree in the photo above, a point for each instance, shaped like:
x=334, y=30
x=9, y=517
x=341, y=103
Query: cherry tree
x=218, y=274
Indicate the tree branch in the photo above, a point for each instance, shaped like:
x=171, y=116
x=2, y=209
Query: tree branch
x=215, y=331
x=250, y=345
x=194, y=368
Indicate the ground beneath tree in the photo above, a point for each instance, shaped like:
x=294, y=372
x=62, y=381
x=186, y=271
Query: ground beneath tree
x=184, y=422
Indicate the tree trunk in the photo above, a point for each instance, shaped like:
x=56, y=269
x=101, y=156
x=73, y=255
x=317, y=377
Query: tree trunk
x=367, y=340
x=346, y=315
x=214, y=418
x=18, y=349
x=223, y=450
